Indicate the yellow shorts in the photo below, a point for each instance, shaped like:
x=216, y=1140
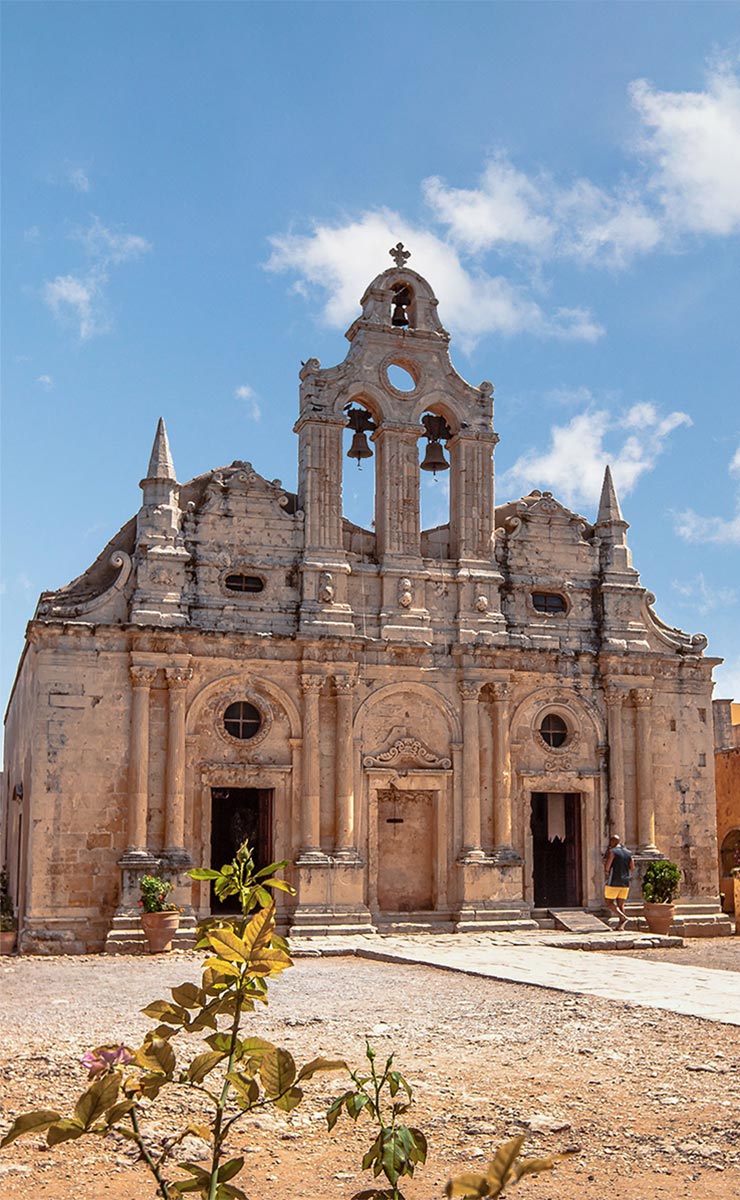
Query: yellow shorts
x=612, y=893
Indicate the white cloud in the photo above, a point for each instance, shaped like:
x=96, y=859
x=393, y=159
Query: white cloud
x=692, y=141
x=46, y=381
x=340, y=260
x=82, y=295
x=32, y=234
x=701, y=596
x=722, y=531
x=77, y=177
x=573, y=465
x=247, y=394
x=505, y=208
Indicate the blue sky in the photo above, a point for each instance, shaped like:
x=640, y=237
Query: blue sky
x=197, y=193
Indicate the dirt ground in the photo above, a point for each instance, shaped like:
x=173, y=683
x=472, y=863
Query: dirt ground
x=649, y=1098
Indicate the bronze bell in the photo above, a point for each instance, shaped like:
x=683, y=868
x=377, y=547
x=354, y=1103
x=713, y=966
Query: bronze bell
x=359, y=448
x=434, y=459
x=399, y=317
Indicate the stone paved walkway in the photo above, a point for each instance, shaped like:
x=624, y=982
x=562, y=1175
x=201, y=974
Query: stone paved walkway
x=691, y=991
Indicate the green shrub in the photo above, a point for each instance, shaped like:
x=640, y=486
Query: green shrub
x=661, y=882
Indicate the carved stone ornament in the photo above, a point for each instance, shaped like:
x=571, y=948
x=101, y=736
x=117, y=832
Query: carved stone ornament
x=559, y=764
x=469, y=689
x=499, y=691
x=326, y=587
x=405, y=595
x=407, y=752
x=481, y=604
x=178, y=677
x=312, y=684
x=142, y=676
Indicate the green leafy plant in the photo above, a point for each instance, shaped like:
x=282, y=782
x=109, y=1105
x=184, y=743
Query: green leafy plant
x=661, y=882
x=154, y=893
x=8, y=919
x=231, y=1078
x=506, y=1168
x=397, y=1149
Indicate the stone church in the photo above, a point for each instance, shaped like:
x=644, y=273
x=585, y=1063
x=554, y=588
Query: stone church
x=437, y=728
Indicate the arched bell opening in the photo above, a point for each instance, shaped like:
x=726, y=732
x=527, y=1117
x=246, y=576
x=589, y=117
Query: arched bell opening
x=434, y=471
x=359, y=471
x=403, y=306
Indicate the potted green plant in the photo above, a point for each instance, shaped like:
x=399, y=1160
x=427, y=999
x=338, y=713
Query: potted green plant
x=660, y=886
x=159, y=918
x=8, y=919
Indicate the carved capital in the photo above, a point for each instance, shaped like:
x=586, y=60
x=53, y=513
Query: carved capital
x=312, y=684
x=614, y=696
x=343, y=684
x=641, y=698
x=142, y=677
x=499, y=691
x=469, y=689
x=178, y=677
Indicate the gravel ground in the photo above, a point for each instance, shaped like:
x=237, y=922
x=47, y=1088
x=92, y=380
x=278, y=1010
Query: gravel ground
x=649, y=1098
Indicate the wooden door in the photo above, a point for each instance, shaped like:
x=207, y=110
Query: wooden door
x=406, y=850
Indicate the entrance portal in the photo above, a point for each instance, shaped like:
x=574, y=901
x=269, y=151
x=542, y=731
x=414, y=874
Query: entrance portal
x=556, y=849
x=405, y=851
x=239, y=815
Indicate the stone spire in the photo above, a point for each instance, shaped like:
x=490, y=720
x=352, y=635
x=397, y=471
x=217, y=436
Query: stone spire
x=160, y=462
x=609, y=510
x=611, y=529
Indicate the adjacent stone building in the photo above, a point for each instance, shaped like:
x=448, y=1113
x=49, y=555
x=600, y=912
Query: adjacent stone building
x=438, y=727
x=727, y=779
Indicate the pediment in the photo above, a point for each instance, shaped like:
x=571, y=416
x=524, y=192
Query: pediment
x=406, y=750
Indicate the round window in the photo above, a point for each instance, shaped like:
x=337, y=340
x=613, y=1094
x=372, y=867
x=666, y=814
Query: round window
x=399, y=378
x=242, y=720
x=553, y=730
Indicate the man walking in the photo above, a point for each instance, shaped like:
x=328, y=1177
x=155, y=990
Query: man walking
x=618, y=865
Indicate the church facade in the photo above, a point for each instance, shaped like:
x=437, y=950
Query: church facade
x=436, y=728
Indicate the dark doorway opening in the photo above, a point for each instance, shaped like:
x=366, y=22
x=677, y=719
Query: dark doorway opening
x=239, y=815
x=556, y=849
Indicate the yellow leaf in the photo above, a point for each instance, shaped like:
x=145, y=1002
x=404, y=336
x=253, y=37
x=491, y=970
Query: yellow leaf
x=156, y=1055
x=500, y=1169
x=100, y=1096
x=227, y=945
x=277, y=1072
x=260, y=928
x=469, y=1185
x=31, y=1122
x=224, y=968
x=64, y=1131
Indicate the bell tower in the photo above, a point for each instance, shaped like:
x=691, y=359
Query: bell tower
x=399, y=328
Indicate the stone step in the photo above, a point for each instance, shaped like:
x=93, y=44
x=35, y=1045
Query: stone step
x=577, y=920
x=127, y=937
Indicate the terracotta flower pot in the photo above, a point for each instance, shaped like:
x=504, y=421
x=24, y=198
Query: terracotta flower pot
x=659, y=916
x=159, y=930
x=7, y=941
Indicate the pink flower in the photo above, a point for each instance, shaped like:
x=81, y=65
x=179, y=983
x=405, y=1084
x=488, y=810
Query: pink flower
x=105, y=1058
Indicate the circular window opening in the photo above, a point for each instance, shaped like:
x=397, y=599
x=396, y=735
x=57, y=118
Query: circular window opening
x=401, y=379
x=242, y=720
x=553, y=730
x=238, y=582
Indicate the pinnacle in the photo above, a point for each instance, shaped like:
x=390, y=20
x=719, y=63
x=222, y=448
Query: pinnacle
x=161, y=465
x=609, y=510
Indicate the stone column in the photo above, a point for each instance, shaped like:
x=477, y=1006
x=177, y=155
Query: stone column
x=502, y=815
x=397, y=490
x=344, y=813
x=177, y=682
x=469, y=690
x=614, y=701
x=142, y=679
x=311, y=819
x=644, y=778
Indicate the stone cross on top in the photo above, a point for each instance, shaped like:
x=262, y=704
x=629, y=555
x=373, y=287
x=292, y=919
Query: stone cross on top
x=399, y=255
